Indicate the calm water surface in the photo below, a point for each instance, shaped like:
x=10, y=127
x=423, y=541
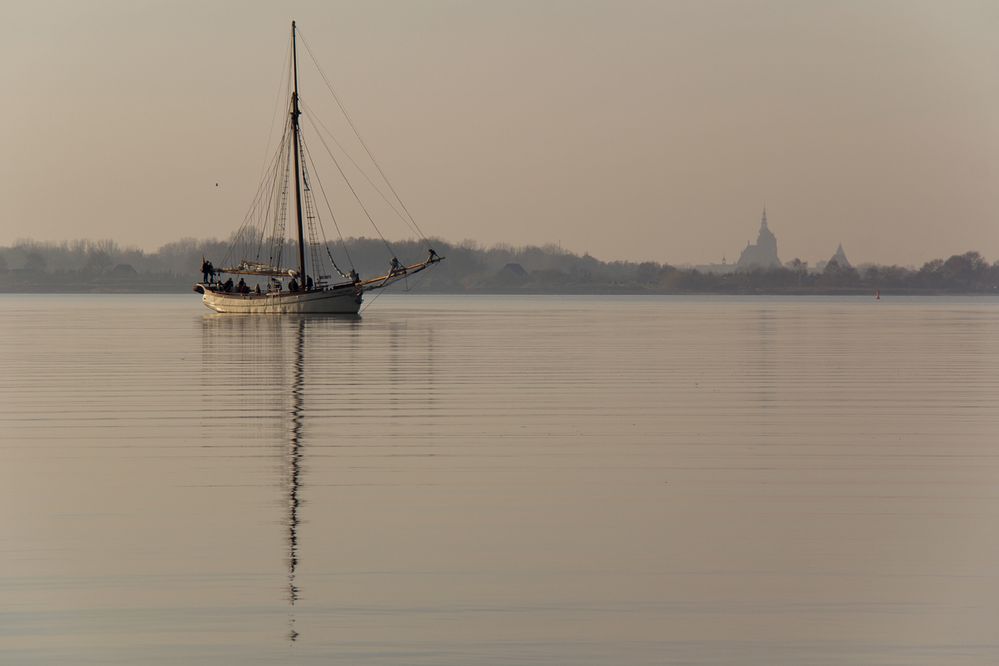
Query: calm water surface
x=500, y=480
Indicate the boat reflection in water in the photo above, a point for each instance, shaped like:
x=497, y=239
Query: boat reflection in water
x=261, y=361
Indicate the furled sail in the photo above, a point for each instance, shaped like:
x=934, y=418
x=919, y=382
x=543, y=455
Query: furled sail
x=246, y=267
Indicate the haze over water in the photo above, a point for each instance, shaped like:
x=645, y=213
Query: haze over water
x=500, y=480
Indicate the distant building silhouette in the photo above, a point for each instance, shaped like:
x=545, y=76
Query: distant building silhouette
x=840, y=257
x=513, y=272
x=124, y=271
x=764, y=253
x=511, y=275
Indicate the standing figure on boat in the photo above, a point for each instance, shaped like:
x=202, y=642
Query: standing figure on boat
x=207, y=270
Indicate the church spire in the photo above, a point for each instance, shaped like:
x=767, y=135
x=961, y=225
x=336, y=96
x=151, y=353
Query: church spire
x=764, y=253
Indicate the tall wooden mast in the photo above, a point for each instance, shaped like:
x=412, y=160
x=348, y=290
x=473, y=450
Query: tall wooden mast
x=295, y=113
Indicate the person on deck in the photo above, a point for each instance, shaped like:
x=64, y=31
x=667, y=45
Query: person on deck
x=396, y=267
x=308, y=283
x=228, y=286
x=293, y=285
x=207, y=271
x=433, y=256
x=241, y=287
x=257, y=289
x=354, y=276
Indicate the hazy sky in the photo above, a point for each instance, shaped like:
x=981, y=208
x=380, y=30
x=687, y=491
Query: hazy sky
x=632, y=130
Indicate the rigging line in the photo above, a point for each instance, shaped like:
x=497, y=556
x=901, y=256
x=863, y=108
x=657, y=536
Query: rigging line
x=312, y=215
x=281, y=185
x=264, y=210
x=283, y=83
x=336, y=224
x=358, y=135
x=307, y=160
x=248, y=217
x=248, y=233
x=261, y=200
x=304, y=201
x=322, y=189
x=368, y=304
x=272, y=190
x=409, y=288
x=360, y=170
x=352, y=191
x=254, y=204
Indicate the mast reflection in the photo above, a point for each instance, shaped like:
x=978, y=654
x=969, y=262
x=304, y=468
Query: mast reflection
x=295, y=464
x=296, y=456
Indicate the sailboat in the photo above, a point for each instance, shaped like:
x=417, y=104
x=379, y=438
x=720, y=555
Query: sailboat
x=311, y=280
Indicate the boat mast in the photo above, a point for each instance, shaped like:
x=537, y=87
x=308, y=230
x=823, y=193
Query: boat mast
x=295, y=113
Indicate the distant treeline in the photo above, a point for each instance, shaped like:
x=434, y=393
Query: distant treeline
x=104, y=266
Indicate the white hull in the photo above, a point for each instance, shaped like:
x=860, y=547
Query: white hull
x=331, y=301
